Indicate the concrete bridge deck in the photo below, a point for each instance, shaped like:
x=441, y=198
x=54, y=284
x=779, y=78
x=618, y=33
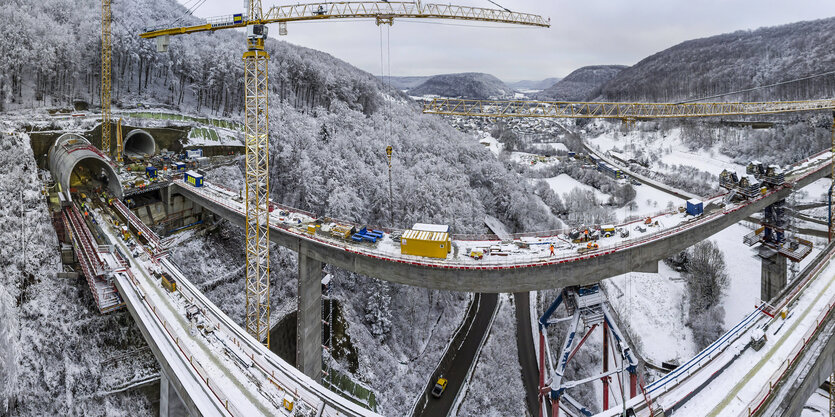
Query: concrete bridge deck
x=524, y=271
x=222, y=371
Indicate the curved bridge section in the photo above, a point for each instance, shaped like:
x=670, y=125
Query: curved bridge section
x=517, y=271
x=73, y=161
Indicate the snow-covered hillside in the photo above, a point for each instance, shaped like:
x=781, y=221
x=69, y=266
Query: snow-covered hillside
x=61, y=355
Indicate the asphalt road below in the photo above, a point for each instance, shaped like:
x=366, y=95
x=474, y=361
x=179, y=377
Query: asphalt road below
x=527, y=352
x=456, y=362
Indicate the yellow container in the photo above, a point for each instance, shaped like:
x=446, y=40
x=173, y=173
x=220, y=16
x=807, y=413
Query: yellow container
x=288, y=403
x=423, y=243
x=311, y=228
x=169, y=283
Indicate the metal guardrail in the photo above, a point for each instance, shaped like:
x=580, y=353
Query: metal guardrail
x=515, y=262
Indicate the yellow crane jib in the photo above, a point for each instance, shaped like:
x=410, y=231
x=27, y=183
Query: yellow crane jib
x=630, y=111
x=355, y=10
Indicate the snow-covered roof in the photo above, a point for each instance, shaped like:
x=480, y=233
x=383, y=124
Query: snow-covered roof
x=425, y=235
x=694, y=201
x=193, y=174
x=428, y=227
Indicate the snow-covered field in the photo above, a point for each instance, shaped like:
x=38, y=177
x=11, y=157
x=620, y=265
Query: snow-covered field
x=647, y=302
x=650, y=301
x=668, y=146
x=648, y=201
x=562, y=184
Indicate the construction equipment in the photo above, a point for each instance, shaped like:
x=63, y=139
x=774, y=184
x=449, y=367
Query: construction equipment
x=612, y=110
x=425, y=243
x=257, y=107
x=586, y=304
x=106, y=51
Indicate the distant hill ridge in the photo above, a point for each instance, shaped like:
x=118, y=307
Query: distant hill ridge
x=581, y=84
x=735, y=61
x=474, y=85
x=404, y=83
x=533, y=84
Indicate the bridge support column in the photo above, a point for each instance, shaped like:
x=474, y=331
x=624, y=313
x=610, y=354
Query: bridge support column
x=309, y=324
x=170, y=404
x=773, y=276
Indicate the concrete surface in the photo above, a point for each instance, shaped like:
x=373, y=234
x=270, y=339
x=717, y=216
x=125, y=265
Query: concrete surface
x=807, y=375
x=774, y=276
x=579, y=272
x=526, y=351
x=61, y=163
x=139, y=142
x=309, y=322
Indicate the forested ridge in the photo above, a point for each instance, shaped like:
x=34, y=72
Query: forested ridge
x=330, y=122
x=474, y=85
x=735, y=61
x=581, y=84
x=52, y=55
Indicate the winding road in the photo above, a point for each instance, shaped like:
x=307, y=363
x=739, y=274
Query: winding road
x=458, y=360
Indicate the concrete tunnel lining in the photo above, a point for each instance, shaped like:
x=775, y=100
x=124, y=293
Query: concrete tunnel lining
x=139, y=142
x=71, y=152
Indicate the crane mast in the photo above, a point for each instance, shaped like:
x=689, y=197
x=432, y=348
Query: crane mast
x=256, y=130
x=106, y=45
x=256, y=85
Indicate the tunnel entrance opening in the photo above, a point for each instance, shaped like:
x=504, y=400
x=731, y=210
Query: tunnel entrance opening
x=139, y=144
x=94, y=175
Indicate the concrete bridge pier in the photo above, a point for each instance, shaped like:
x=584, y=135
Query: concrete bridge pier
x=774, y=275
x=309, y=318
x=170, y=404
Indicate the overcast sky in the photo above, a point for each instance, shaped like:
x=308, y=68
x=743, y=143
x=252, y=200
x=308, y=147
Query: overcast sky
x=586, y=32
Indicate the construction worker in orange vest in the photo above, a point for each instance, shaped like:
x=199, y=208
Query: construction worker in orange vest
x=552, y=249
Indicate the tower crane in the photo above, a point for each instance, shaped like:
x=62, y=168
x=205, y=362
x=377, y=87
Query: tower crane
x=106, y=51
x=256, y=89
x=629, y=112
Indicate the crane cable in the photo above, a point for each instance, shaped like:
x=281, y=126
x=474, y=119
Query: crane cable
x=189, y=11
x=500, y=6
x=386, y=78
x=809, y=77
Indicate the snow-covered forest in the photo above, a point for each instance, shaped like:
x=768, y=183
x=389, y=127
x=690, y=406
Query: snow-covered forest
x=60, y=356
x=330, y=125
x=732, y=62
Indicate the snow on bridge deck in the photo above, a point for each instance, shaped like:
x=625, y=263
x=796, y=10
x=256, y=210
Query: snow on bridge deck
x=729, y=378
x=224, y=371
x=526, y=250
x=524, y=264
